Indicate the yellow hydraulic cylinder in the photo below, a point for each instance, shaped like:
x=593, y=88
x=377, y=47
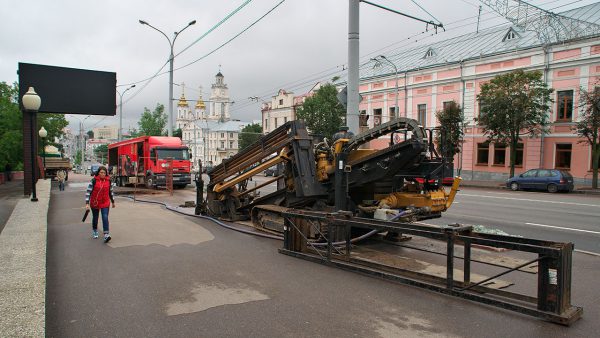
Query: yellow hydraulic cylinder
x=453, y=191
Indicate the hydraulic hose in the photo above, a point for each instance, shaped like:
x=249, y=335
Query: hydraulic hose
x=168, y=207
x=248, y=232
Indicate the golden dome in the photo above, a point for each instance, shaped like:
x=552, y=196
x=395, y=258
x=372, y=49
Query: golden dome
x=200, y=104
x=182, y=101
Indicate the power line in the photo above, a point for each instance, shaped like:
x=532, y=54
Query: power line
x=215, y=26
x=233, y=38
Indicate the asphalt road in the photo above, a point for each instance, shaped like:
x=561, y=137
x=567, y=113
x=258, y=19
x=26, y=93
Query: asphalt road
x=167, y=275
x=558, y=217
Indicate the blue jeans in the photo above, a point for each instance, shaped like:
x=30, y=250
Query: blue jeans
x=95, y=213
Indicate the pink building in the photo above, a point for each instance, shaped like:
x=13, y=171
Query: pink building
x=430, y=75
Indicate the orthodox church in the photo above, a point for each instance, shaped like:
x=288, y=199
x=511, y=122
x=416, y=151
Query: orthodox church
x=210, y=135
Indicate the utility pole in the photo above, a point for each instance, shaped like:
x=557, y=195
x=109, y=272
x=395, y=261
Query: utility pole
x=171, y=60
x=81, y=141
x=353, y=56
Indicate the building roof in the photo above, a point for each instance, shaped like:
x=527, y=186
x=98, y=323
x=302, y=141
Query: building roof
x=469, y=46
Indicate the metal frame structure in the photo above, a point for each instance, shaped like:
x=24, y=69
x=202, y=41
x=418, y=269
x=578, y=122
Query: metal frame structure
x=552, y=301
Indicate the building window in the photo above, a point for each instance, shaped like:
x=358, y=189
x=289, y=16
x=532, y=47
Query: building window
x=483, y=153
x=499, y=154
x=564, y=105
x=363, y=118
x=392, y=113
x=266, y=124
x=429, y=53
x=422, y=114
x=275, y=123
x=511, y=35
x=281, y=102
x=222, y=144
x=377, y=117
x=230, y=144
x=231, y=135
x=285, y=119
x=445, y=104
x=563, y=156
x=519, y=155
x=222, y=135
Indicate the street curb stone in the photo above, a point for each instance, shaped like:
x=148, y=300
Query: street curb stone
x=23, y=267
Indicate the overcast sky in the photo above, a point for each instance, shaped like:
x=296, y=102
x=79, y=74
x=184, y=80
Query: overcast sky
x=297, y=44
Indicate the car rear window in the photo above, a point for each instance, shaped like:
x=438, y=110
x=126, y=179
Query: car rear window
x=566, y=174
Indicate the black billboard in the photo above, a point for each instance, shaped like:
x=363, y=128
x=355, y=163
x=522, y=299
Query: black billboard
x=69, y=90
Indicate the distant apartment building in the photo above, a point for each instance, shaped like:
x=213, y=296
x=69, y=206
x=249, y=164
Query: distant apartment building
x=431, y=75
x=90, y=148
x=106, y=132
x=282, y=108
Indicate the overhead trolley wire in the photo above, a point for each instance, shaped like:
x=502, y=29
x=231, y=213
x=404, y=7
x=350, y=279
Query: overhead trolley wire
x=215, y=26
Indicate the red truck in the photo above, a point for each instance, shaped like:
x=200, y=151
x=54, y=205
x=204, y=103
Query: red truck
x=145, y=160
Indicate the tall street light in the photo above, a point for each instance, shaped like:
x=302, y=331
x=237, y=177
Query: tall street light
x=120, y=137
x=43, y=133
x=171, y=59
x=31, y=103
x=378, y=60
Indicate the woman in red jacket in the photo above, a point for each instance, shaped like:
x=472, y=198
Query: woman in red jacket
x=99, y=196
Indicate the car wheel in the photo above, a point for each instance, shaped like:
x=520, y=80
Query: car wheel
x=149, y=182
x=514, y=186
x=552, y=188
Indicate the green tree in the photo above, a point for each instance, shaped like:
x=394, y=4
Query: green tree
x=588, y=126
x=322, y=112
x=513, y=105
x=11, y=130
x=153, y=123
x=450, y=120
x=133, y=133
x=101, y=151
x=90, y=134
x=78, y=158
x=250, y=134
x=54, y=125
x=178, y=133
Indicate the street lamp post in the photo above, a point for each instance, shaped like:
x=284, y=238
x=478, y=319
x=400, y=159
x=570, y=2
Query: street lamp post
x=81, y=140
x=378, y=59
x=43, y=133
x=171, y=59
x=31, y=103
x=120, y=133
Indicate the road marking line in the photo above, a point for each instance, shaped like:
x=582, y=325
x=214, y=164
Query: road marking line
x=588, y=252
x=562, y=228
x=531, y=200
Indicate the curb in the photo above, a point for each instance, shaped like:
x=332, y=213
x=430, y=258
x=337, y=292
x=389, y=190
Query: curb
x=501, y=187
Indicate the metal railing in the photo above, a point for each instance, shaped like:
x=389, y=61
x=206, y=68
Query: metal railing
x=551, y=301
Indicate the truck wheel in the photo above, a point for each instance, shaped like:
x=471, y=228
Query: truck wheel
x=149, y=182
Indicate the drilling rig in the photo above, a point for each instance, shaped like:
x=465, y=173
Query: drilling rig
x=400, y=182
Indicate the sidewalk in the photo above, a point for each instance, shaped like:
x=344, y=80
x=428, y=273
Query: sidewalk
x=23, y=267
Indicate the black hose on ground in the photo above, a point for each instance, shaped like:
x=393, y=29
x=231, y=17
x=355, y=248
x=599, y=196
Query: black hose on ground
x=168, y=207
